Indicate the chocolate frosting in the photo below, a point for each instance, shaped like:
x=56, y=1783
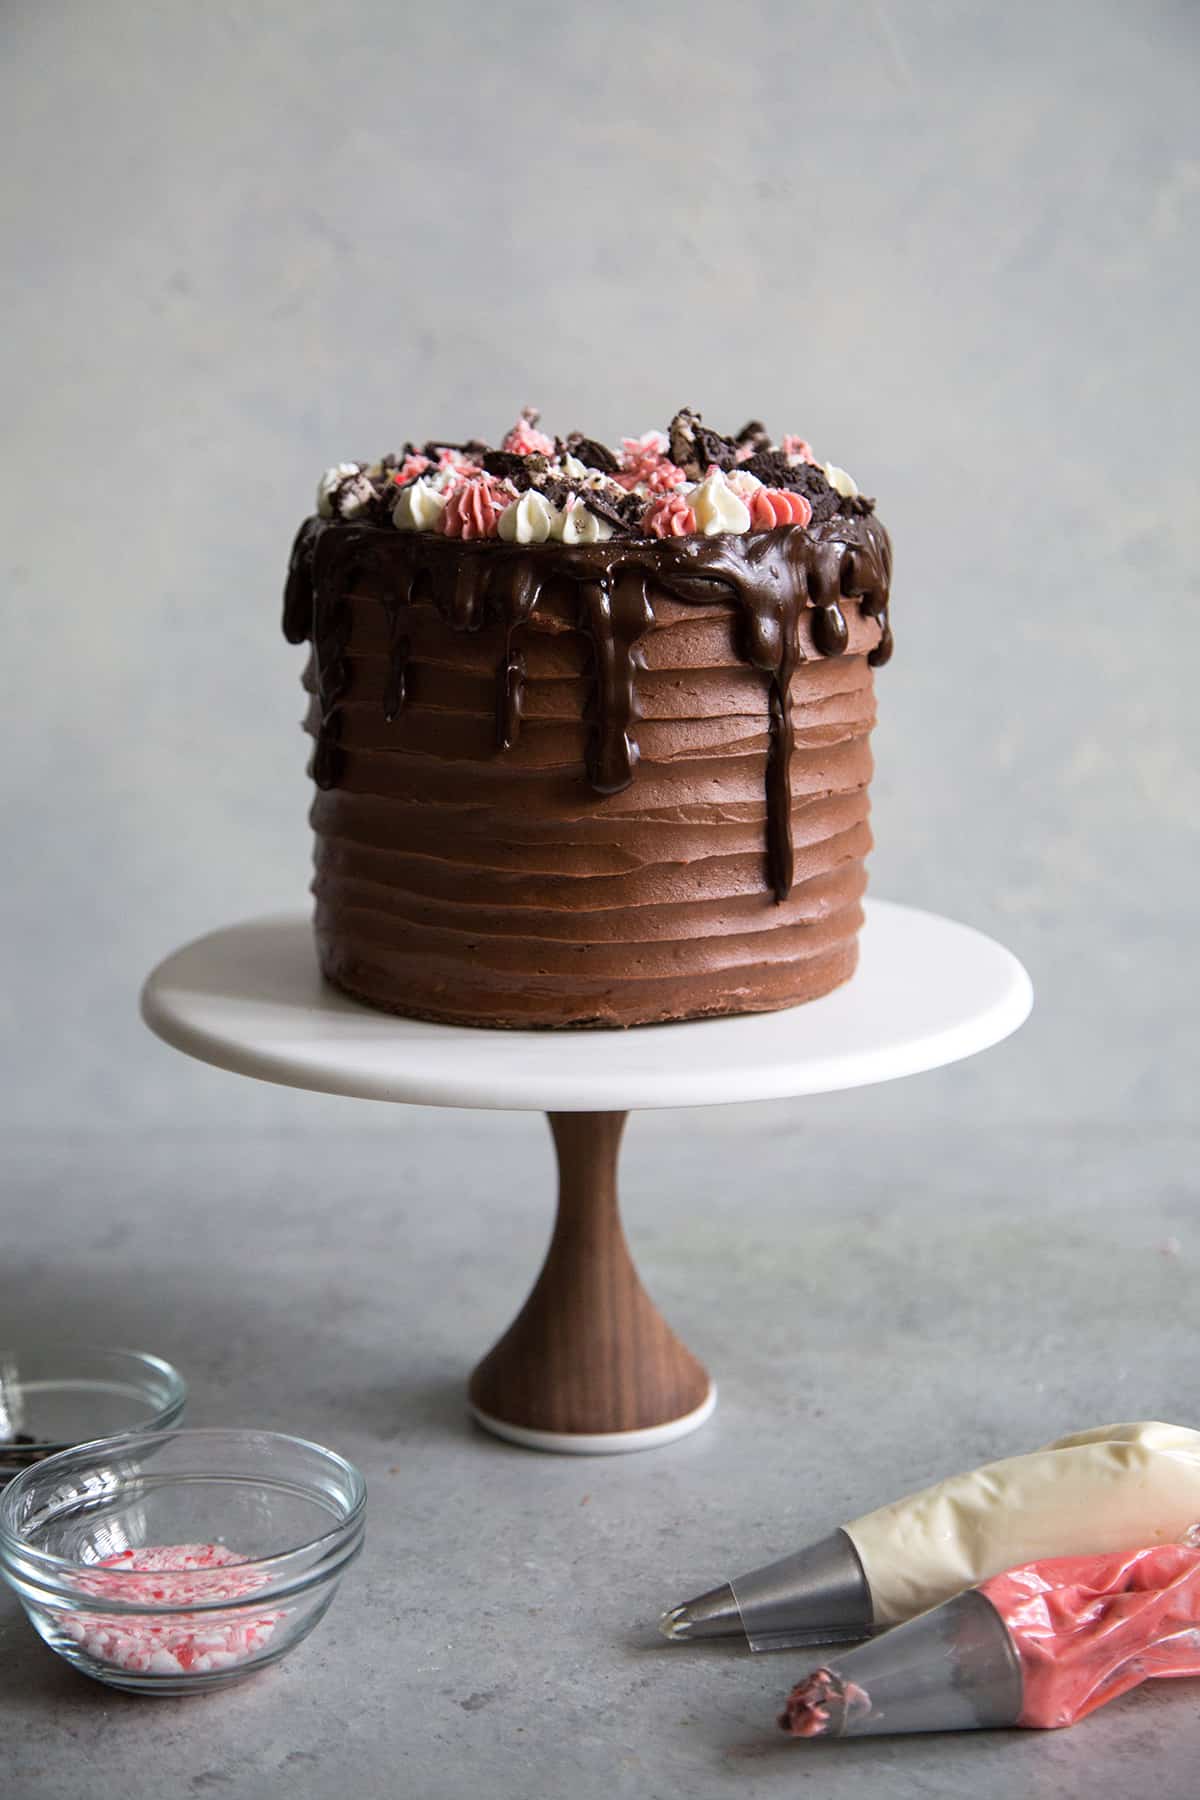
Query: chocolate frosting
x=403, y=627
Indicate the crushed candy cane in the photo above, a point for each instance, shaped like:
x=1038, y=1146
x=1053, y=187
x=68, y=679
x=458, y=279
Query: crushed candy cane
x=180, y=1642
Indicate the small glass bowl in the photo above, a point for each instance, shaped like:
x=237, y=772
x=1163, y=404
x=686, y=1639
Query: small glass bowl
x=54, y=1396
x=278, y=1519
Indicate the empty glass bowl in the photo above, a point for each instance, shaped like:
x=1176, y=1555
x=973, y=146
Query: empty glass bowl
x=54, y=1396
x=172, y=1562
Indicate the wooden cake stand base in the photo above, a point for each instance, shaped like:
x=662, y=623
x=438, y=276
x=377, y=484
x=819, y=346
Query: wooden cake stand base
x=590, y=1363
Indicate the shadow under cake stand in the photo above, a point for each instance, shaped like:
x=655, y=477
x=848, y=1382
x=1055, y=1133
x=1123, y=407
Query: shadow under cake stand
x=589, y=1364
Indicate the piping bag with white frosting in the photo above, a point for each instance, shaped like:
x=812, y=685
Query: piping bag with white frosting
x=1088, y=1494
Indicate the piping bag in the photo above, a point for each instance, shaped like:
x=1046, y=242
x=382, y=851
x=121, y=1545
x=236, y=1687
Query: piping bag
x=1093, y=1492
x=1041, y=1646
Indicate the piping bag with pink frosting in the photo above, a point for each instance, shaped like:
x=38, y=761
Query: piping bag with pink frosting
x=1041, y=1646
x=1094, y=1492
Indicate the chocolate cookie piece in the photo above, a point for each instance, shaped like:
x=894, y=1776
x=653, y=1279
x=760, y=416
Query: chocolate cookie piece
x=594, y=455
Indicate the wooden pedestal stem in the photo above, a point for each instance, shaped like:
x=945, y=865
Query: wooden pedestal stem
x=589, y=1351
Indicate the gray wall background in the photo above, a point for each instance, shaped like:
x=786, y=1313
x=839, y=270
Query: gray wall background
x=954, y=245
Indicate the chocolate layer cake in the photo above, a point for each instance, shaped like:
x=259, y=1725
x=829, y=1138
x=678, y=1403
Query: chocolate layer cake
x=591, y=729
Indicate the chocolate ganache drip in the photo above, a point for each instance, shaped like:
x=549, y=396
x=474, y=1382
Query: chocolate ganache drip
x=773, y=577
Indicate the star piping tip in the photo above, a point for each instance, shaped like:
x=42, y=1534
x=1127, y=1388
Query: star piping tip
x=675, y=1624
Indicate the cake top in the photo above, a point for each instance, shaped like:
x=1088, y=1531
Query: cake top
x=684, y=482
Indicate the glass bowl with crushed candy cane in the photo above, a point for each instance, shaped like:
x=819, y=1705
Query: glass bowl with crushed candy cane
x=171, y=1562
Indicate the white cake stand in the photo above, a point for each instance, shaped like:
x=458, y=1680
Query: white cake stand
x=589, y=1364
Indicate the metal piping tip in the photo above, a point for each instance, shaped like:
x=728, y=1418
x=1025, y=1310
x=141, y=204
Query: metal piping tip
x=818, y=1595
x=712, y=1615
x=952, y=1669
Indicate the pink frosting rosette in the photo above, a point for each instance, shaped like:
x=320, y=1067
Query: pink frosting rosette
x=473, y=508
x=770, y=507
x=669, y=516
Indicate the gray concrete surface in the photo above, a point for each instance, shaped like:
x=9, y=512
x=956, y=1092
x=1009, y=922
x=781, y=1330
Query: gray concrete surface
x=497, y=1636
x=954, y=245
